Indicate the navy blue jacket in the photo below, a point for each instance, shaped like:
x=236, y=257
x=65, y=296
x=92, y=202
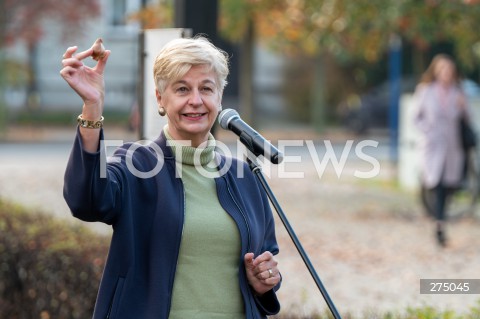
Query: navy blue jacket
x=147, y=216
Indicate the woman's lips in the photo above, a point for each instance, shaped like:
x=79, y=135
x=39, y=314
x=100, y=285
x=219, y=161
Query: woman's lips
x=194, y=116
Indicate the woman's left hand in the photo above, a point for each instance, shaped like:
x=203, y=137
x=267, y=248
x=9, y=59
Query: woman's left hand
x=262, y=272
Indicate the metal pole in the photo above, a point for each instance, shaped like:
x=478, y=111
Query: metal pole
x=395, y=63
x=257, y=171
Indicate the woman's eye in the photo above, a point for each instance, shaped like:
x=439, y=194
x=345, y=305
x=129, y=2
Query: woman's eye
x=182, y=89
x=207, y=89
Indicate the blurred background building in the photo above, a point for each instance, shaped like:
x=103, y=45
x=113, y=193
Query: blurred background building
x=50, y=92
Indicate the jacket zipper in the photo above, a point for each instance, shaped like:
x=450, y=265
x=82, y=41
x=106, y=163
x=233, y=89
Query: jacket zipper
x=243, y=215
x=178, y=250
x=248, y=235
x=109, y=311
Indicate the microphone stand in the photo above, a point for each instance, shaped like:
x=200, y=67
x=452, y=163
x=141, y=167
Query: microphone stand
x=257, y=171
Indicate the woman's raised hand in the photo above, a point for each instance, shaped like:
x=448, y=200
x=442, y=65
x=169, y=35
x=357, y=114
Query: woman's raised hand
x=88, y=82
x=90, y=86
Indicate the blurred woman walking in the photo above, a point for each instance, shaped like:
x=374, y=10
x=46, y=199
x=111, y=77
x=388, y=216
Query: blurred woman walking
x=440, y=106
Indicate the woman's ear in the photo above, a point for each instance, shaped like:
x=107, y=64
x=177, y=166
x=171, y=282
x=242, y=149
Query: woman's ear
x=158, y=96
x=220, y=106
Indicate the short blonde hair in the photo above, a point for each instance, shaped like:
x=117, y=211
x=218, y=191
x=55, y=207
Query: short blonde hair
x=179, y=55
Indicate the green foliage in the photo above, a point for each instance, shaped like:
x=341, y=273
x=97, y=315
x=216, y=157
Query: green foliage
x=424, y=23
x=155, y=15
x=425, y=312
x=48, y=268
x=356, y=30
x=474, y=312
x=234, y=18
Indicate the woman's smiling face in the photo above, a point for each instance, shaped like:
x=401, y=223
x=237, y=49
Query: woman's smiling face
x=192, y=104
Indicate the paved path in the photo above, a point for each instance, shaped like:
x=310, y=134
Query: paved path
x=368, y=241
x=370, y=245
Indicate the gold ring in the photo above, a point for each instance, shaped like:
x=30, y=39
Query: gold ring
x=270, y=271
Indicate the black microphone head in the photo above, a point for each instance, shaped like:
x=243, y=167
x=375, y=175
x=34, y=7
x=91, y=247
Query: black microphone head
x=226, y=116
x=277, y=158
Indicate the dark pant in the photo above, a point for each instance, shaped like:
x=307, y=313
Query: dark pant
x=441, y=195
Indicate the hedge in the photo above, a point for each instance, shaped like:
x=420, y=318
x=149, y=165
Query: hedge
x=48, y=268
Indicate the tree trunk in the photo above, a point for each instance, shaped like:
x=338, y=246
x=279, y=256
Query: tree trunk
x=33, y=97
x=246, y=76
x=419, y=65
x=317, y=108
x=3, y=106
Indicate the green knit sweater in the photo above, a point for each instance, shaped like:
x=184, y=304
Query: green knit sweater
x=206, y=281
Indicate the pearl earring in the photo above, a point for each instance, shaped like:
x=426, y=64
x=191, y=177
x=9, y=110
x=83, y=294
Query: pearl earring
x=161, y=111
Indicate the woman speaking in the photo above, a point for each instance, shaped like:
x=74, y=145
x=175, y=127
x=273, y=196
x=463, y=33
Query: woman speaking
x=185, y=244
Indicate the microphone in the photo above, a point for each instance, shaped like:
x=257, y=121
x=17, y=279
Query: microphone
x=255, y=143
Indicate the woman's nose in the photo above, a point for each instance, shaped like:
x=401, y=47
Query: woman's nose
x=196, y=98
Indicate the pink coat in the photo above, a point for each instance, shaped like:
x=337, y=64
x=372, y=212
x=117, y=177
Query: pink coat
x=437, y=117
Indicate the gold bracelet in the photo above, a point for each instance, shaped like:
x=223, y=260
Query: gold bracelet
x=89, y=124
